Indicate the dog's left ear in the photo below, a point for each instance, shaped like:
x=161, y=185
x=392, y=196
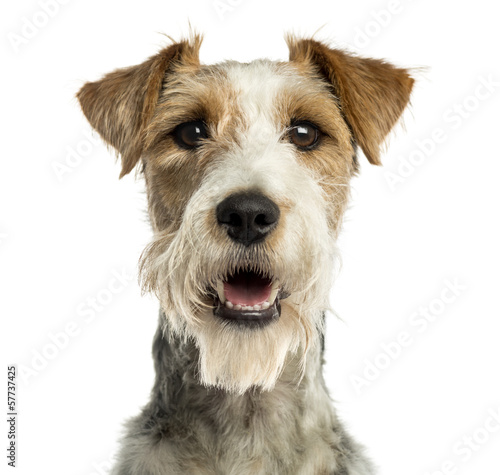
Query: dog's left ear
x=121, y=104
x=372, y=93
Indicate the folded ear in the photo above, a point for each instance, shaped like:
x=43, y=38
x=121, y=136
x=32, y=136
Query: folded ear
x=120, y=105
x=372, y=93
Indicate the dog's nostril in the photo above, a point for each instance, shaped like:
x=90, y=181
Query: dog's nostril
x=235, y=220
x=261, y=220
x=248, y=217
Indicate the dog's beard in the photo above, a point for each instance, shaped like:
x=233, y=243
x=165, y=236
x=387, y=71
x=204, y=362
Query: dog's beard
x=237, y=359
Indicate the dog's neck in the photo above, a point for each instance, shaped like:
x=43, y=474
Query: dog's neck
x=178, y=394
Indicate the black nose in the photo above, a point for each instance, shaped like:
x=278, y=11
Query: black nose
x=248, y=217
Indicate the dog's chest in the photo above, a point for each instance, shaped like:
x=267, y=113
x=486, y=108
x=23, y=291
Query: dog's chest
x=273, y=433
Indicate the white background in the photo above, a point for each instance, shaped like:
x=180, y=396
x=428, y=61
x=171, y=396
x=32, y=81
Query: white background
x=63, y=237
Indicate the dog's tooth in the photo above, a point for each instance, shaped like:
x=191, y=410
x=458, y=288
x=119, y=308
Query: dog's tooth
x=257, y=307
x=237, y=307
x=220, y=291
x=273, y=295
x=265, y=305
x=274, y=292
x=229, y=304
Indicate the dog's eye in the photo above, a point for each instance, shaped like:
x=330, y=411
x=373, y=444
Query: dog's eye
x=190, y=134
x=304, y=135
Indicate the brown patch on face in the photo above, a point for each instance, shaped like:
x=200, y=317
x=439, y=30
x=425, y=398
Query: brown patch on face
x=202, y=94
x=311, y=100
x=372, y=93
x=174, y=173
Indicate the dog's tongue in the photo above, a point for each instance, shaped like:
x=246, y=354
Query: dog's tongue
x=247, y=288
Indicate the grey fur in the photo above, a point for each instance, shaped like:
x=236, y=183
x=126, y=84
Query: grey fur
x=190, y=429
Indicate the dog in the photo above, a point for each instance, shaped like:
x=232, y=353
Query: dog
x=247, y=169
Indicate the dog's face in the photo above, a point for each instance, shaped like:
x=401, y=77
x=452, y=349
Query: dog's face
x=247, y=169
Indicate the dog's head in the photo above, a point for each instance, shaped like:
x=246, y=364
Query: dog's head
x=247, y=169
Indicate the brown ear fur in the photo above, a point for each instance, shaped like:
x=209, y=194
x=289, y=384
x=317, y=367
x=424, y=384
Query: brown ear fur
x=372, y=93
x=120, y=105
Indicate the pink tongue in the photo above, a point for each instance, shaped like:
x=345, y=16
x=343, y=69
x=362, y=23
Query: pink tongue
x=247, y=288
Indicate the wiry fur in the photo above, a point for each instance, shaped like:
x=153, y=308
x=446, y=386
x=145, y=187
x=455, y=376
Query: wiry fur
x=230, y=399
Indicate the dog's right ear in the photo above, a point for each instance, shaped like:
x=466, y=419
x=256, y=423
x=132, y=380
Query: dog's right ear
x=120, y=105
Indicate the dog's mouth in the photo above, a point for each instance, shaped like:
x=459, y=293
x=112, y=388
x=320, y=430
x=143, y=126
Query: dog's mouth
x=248, y=298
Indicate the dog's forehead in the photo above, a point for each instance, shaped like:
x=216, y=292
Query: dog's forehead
x=259, y=78
x=260, y=81
x=259, y=90
x=245, y=93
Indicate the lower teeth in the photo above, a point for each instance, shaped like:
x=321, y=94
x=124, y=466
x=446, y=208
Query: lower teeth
x=231, y=306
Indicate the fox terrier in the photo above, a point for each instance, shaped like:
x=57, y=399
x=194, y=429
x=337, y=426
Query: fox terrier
x=247, y=169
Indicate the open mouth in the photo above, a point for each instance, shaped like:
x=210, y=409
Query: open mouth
x=248, y=298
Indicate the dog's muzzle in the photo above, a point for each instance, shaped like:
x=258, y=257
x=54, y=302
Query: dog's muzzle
x=248, y=297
